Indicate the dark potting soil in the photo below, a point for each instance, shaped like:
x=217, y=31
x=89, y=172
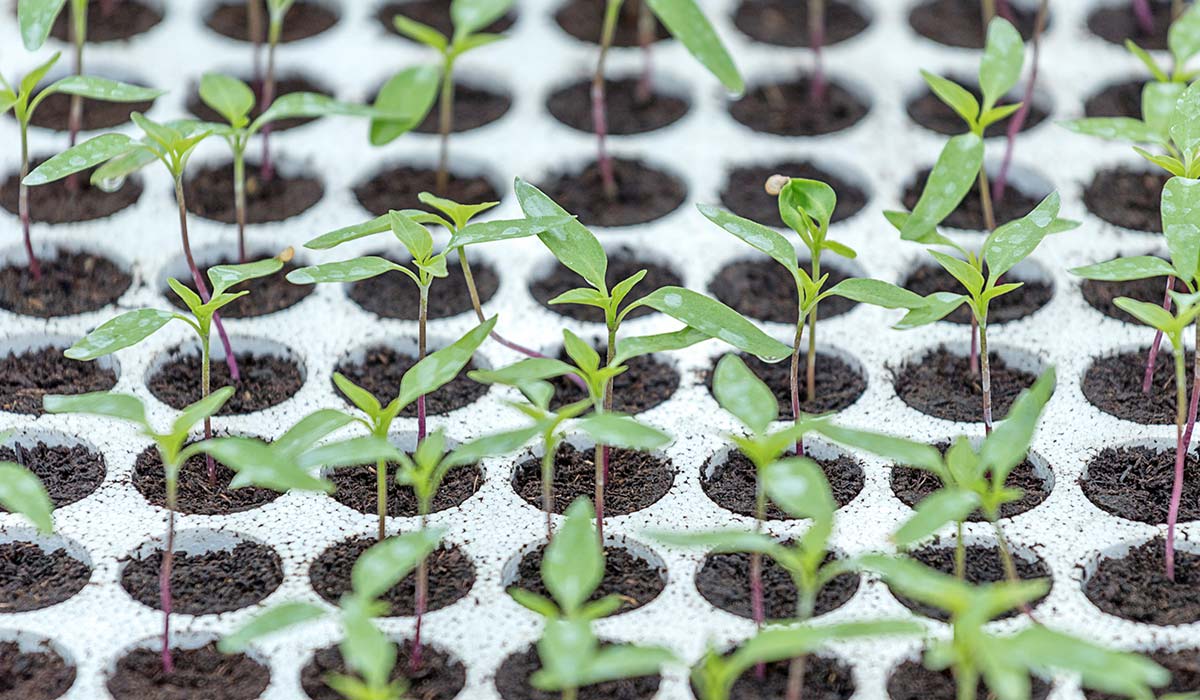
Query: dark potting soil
x=512, y=682
x=393, y=295
x=732, y=483
x=115, y=22
x=32, y=578
x=1116, y=23
x=200, y=674
x=451, y=576
x=1184, y=666
x=622, y=263
x=1135, y=483
x=266, y=381
x=969, y=213
x=284, y=85
x=26, y=377
x=960, y=22
x=306, y=18
x=1113, y=384
x=1101, y=295
x=583, y=20
x=941, y=384
x=912, y=681
x=434, y=13
x=1135, y=586
x=644, y=193
x=914, y=485
x=473, y=107
x=441, y=676
x=838, y=384
x=724, y=581
x=72, y=283
x=628, y=111
x=1116, y=100
x=626, y=575
x=54, y=113
x=381, y=368
x=33, y=675
x=1127, y=197
x=825, y=678
x=983, y=566
x=761, y=288
x=785, y=22
x=1017, y=304
x=267, y=294
x=356, y=489
x=933, y=114
x=70, y=473
x=397, y=188
x=209, y=193
x=785, y=108
x=745, y=195
x=636, y=480
x=647, y=383
x=55, y=203
x=196, y=494
x=210, y=582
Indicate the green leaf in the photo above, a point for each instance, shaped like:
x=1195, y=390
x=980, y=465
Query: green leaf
x=92, y=152
x=815, y=199
x=225, y=276
x=198, y=411
x=1003, y=56
x=1148, y=61
x=1180, y=207
x=503, y=230
x=309, y=430
x=492, y=445
x=798, y=486
x=570, y=242
x=760, y=237
x=878, y=293
x=955, y=96
x=720, y=541
x=403, y=102
x=413, y=236
x=937, y=306
x=524, y=371
x=469, y=16
x=440, y=367
x=263, y=465
x=459, y=214
x=1124, y=269
x=103, y=89
x=930, y=586
x=344, y=453
x=906, y=452
x=23, y=493
x=949, y=181
x=228, y=96
x=622, y=431
x=716, y=320
x=273, y=620
x=100, y=403
x=364, y=400
x=616, y=661
x=1158, y=105
x=1115, y=672
x=1169, y=163
x=739, y=391
x=121, y=332
x=1185, y=122
x=35, y=76
x=35, y=18
x=350, y=233
x=345, y=271
x=1016, y=240
x=961, y=270
x=533, y=602
x=1183, y=37
x=573, y=563
x=1009, y=441
x=308, y=105
x=687, y=23
x=629, y=348
x=584, y=296
x=1150, y=314
x=365, y=649
x=421, y=33
x=387, y=562
x=583, y=355
x=474, y=41
x=996, y=114
x=943, y=506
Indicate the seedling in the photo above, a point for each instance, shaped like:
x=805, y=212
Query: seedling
x=1018, y=120
x=276, y=11
x=24, y=100
x=22, y=492
x=367, y=652
x=36, y=18
x=571, y=655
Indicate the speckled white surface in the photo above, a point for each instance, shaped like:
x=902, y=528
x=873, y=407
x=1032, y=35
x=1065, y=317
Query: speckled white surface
x=881, y=153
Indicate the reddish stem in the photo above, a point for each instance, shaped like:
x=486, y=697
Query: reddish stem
x=974, y=358
x=267, y=169
x=646, y=28
x=816, y=40
x=35, y=268
x=1152, y=358
x=1018, y=120
x=1144, y=16
x=164, y=590
x=198, y=279
x=422, y=602
x=599, y=107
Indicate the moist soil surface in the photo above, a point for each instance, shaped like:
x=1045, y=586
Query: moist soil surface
x=1184, y=666
x=785, y=109
x=71, y=283
x=379, y=372
x=200, y=674
x=441, y=676
x=933, y=114
x=644, y=193
x=744, y=192
x=969, y=214
x=647, y=383
x=398, y=187
x=33, y=675
x=434, y=13
x=209, y=193
x=1017, y=304
x=451, y=576
x=266, y=381
x=306, y=18
x=914, y=485
x=960, y=22
x=1101, y=295
x=583, y=20
x=635, y=580
x=785, y=22
x=724, y=581
x=210, y=582
x=1116, y=100
x=983, y=566
x=54, y=112
x=732, y=483
x=267, y=294
x=56, y=203
x=473, y=107
x=25, y=377
x=116, y=22
x=941, y=384
x=196, y=494
x=284, y=85
x=393, y=295
x=70, y=473
x=622, y=263
x=1135, y=586
x=1127, y=197
x=629, y=111
x=636, y=480
x=32, y=578
x=356, y=489
x=838, y=384
x=1135, y=483
x=512, y=682
x=1113, y=384
x=761, y=288
x=912, y=681
x=1116, y=22
x=825, y=678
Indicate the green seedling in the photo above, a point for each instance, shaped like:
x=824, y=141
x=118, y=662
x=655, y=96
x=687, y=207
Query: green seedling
x=1183, y=43
x=23, y=493
x=25, y=98
x=35, y=19
x=367, y=652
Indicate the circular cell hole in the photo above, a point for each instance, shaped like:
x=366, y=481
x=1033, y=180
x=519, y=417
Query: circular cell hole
x=744, y=192
x=912, y=681
x=290, y=192
x=624, y=262
x=960, y=22
x=34, y=366
x=305, y=19
x=199, y=667
x=632, y=572
x=393, y=294
x=54, y=111
x=730, y=479
x=1129, y=581
x=644, y=193
x=1122, y=99
x=380, y=367
x=38, y=571
x=451, y=576
x=267, y=294
x=632, y=108
x=636, y=480
x=512, y=682
x=840, y=380
x=826, y=677
x=111, y=21
x=785, y=108
x=196, y=494
x=1036, y=290
x=284, y=85
x=928, y=111
x=761, y=288
x=1101, y=295
x=1128, y=197
x=1184, y=665
x=785, y=22
x=1134, y=481
x=270, y=373
x=1025, y=191
x=939, y=382
x=440, y=677
x=1116, y=22
x=649, y=381
x=70, y=468
x=1033, y=477
x=75, y=279
x=433, y=13
x=398, y=187
x=583, y=20
x=59, y=203
x=34, y=667
x=1113, y=384
x=724, y=581
x=213, y=571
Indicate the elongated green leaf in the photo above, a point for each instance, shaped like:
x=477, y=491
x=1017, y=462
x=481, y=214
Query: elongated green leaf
x=937, y=306
x=687, y=23
x=716, y=320
x=469, y=16
x=949, y=181
x=403, y=102
x=276, y=619
x=34, y=77
x=1147, y=60
x=1016, y=240
x=739, y=391
x=813, y=198
x=308, y=105
x=350, y=233
x=966, y=274
x=103, y=89
x=36, y=18
x=1183, y=37
x=263, y=465
x=944, y=506
x=492, y=445
x=309, y=430
x=1180, y=207
x=765, y=239
x=22, y=492
x=100, y=403
x=524, y=371
x=573, y=563
x=1185, y=122
x=1152, y=315
x=721, y=541
x=1003, y=56
x=503, y=230
x=1101, y=669
x=413, y=236
x=906, y=452
x=877, y=292
x=799, y=487
x=622, y=431
x=119, y=333
x=364, y=400
x=1009, y=441
x=228, y=96
x=387, y=562
x=366, y=650
x=954, y=95
x=345, y=271
x=616, y=661
x=421, y=33
x=927, y=585
x=225, y=276
x=198, y=411
x=440, y=367
x=1125, y=269
x=92, y=152
x=570, y=242
x=1158, y=105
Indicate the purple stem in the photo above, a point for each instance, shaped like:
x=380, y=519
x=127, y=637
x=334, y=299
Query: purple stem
x=35, y=268
x=974, y=361
x=816, y=34
x=599, y=107
x=646, y=28
x=1018, y=120
x=164, y=591
x=1144, y=16
x=267, y=170
x=201, y=288
x=1005, y=11
x=1148, y=379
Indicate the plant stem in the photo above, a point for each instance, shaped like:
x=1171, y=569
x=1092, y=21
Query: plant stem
x=414, y=660
x=381, y=496
x=1152, y=357
x=164, y=571
x=1010, y=566
x=1144, y=16
x=201, y=288
x=239, y=198
x=1018, y=120
x=805, y=604
x=570, y=694
x=35, y=268
x=985, y=201
x=967, y=679
x=810, y=377
x=254, y=31
x=974, y=361
x=423, y=322
x=1177, y=8
x=602, y=451
x=445, y=126
x=646, y=30
x=205, y=388
x=599, y=108
x=794, y=380
x=78, y=35
x=985, y=378
x=267, y=169
x=816, y=41
x=756, y=587
x=1180, y=455
x=960, y=553
x=988, y=8
x=1195, y=400
x=548, y=455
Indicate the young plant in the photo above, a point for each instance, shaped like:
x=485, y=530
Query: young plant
x=1018, y=120
x=276, y=11
x=367, y=652
x=23, y=493
x=35, y=19
x=24, y=100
